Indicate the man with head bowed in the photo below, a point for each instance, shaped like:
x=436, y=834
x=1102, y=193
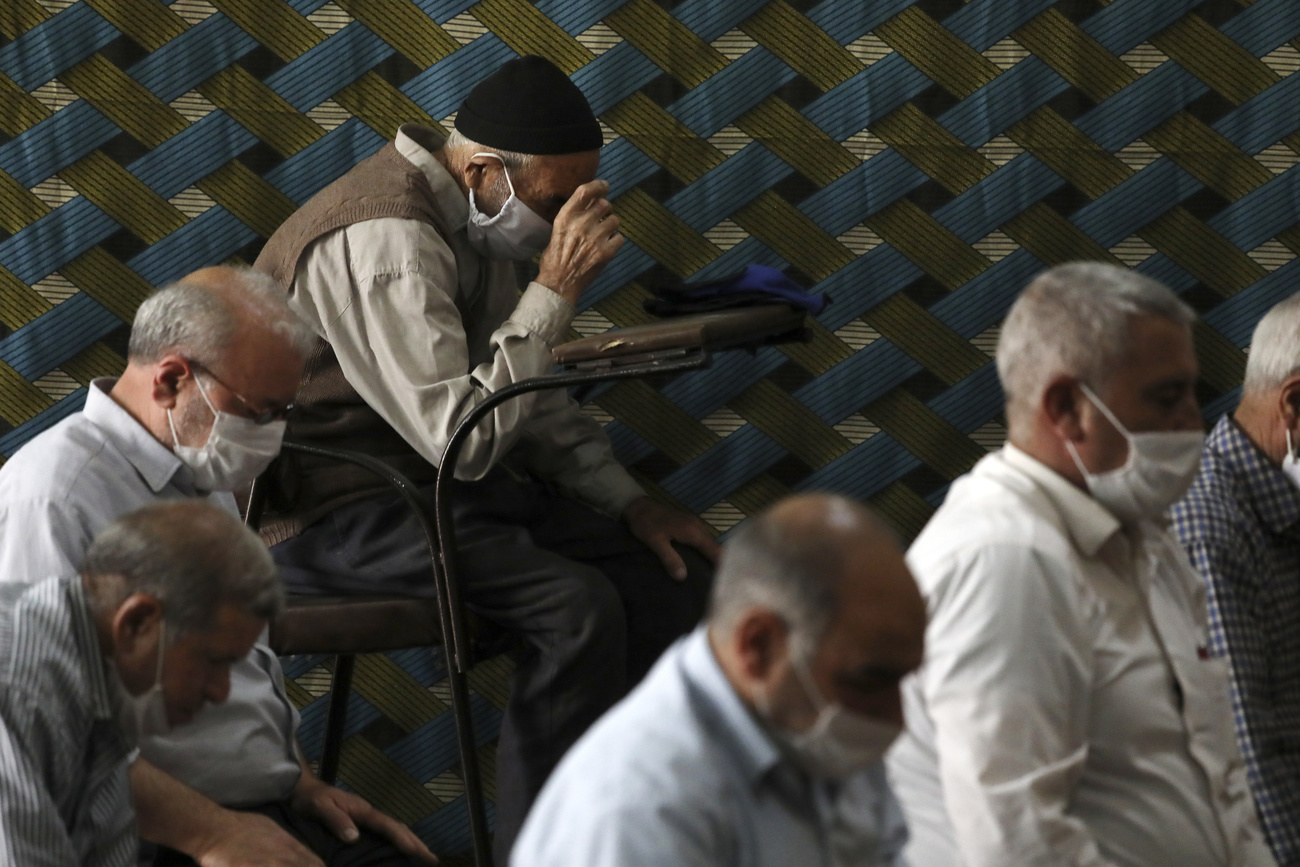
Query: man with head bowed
x=168, y=598
x=757, y=740
x=406, y=270
x=214, y=361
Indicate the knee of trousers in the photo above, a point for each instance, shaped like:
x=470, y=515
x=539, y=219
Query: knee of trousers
x=591, y=612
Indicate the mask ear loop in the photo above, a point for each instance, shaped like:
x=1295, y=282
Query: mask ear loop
x=504, y=170
x=203, y=393
x=809, y=686
x=1290, y=450
x=162, y=645
x=1105, y=410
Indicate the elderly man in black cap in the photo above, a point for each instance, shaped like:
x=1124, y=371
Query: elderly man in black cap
x=405, y=269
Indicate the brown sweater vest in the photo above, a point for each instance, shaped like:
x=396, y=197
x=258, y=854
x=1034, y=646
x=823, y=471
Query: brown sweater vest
x=328, y=411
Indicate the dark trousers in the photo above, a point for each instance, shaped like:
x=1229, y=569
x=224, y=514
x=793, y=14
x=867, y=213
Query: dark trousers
x=371, y=850
x=594, y=606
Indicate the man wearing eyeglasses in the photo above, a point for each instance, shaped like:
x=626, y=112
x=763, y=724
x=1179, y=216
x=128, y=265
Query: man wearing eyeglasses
x=214, y=362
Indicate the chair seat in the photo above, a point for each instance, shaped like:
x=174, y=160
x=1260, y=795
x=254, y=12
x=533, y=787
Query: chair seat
x=355, y=624
x=745, y=327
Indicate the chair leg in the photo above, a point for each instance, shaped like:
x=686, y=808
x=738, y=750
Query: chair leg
x=337, y=718
x=458, y=685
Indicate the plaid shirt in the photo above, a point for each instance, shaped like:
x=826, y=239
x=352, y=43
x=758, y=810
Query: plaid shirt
x=1240, y=523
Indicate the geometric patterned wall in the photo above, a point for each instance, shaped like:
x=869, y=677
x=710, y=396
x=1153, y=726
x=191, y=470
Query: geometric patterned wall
x=918, y=161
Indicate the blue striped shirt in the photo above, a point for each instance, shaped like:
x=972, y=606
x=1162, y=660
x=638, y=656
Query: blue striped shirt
x=1240, y=523
x=64, y=796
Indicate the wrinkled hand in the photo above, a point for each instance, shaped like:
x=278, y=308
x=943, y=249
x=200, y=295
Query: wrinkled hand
x=252, y=840
x=342, y=811
x=584, y=238
x=659, y=526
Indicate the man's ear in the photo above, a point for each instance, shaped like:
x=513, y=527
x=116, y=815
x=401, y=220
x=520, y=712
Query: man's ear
x=168, y=374
x=1062, y=406
x=475, y=169
x=761, y=641
x=135, y=624
x=1289, y=403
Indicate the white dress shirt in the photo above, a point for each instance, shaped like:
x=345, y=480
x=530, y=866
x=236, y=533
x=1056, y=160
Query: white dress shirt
x=72, y=481
x=1067, y=712
x=388, y=293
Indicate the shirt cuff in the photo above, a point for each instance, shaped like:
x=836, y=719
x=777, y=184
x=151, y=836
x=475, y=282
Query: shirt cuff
x=613, y=490
x=544, y=313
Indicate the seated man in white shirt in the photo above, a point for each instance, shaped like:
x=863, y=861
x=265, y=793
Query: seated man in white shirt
x=169, y=597
x=756, y=741
x=1067, y=712
x=199, y=412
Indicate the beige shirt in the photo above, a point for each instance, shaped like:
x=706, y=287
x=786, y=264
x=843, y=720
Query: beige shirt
x=1066, y=713
x=384, y=294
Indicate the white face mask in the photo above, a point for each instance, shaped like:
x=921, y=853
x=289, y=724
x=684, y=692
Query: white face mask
x=840, y=742
x=515, y=233
x=144, y=715
x=1290, y=465
x=1160, y=468
x=236, y=451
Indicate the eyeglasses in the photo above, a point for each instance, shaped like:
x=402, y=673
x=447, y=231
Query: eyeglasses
x=256, y=416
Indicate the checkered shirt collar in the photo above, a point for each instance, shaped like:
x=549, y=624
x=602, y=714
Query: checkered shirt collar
x=1273, y=496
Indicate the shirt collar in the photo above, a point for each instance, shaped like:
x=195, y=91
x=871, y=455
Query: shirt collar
x=156, y=463
x=752, y=749
x=417, y=143
x=1275, y=498
x=87, y=639
x=1089, y=524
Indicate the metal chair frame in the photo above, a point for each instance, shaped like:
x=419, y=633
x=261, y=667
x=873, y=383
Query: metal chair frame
x=439, y=534
x=439, y=537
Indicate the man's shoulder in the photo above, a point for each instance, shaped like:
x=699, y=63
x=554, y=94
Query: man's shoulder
x=38, y=648
x=988, y=510
x=1216, y=509
x=652, y=745
x=646, y=771
x=52, y=464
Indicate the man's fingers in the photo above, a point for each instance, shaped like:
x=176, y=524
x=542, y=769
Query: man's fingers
x=600, y=209
x=596, y=189
x=337, y=819
x=401, y=836
x=701, y=541
x=662, y=544
x=583, y=197
x=610, y=228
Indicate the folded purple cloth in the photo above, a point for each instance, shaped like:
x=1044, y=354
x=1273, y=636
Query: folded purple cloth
x=757, y=284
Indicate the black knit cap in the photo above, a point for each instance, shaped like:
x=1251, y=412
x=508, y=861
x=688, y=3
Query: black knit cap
x=530, y=107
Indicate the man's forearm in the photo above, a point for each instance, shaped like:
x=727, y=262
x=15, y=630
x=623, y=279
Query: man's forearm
x=172, y=814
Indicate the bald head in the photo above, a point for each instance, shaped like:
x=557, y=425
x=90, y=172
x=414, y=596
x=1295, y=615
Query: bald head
x=794, y=559
x=813, y=603
x=205, y=313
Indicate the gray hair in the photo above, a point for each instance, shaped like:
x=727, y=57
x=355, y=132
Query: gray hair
x=1274, y=355
x=1074, y=319
x=512, y=160
x=192, y=319
x=190, y=555
x=792, y=568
